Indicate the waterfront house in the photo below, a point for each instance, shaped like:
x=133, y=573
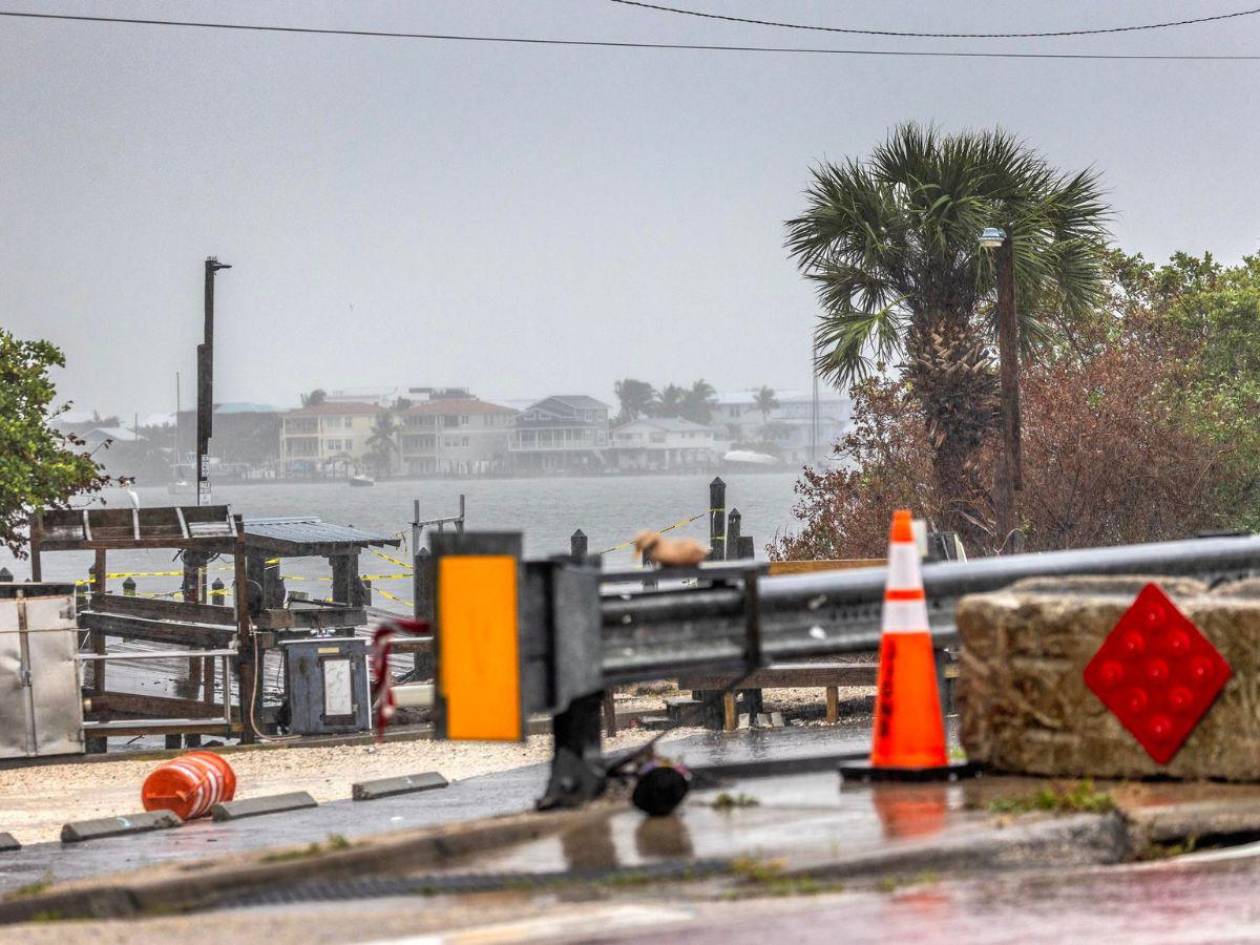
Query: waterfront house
x=565, y=433
x=455, y=437
x=658, y=444
x=316, y=438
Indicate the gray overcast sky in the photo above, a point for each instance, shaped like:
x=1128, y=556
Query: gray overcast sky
x=527, y=220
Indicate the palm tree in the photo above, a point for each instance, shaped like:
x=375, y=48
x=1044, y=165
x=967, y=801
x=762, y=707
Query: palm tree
x=765, y=401
x=314, y=398
x=697, y=403
x=892, y=245
x=636, y=398
x=381, y=443
x=670, y=401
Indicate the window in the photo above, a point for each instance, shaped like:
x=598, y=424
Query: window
x=301, y=425
x=463, y=420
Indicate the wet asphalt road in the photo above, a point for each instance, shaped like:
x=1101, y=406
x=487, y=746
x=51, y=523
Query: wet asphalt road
x=1209, y=900
x=503, y=793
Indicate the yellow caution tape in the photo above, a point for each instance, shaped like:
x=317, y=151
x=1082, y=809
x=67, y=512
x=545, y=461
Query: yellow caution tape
x=387, y=594
x=385, y=557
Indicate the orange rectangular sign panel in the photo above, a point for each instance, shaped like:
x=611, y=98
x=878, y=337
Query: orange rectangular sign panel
x=479, y=666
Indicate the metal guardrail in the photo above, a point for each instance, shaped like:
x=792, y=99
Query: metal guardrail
x=650, y=633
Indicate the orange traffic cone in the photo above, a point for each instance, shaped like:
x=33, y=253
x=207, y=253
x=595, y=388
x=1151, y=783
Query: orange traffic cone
x=908, y=738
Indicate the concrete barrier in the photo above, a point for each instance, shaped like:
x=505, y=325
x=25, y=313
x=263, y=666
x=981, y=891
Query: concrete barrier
x=390, y=787
x=257, y=806
x=118, y=826
x=1022, y=696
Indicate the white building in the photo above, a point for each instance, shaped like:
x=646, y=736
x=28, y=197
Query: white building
x=786, y=430
x=665, y=443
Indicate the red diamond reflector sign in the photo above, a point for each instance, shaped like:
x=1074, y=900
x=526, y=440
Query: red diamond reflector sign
x=1157, y=673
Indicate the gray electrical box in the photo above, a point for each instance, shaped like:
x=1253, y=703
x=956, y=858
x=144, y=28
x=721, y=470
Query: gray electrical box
x=41, y=706
x=327, y=685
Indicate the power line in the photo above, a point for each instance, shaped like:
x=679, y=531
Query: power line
x=917, y=35
x=613, y=44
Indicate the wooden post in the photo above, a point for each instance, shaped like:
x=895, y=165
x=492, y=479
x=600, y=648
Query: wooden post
x=345, y=573
x=730, y=719
x=424, y=591
x=732, y=534
x=747, y=547
x=717, y=520
x=610, y=713
x=192, y=587
x=578, y=545
x=98, y=639
x=129, y=587
x=833, y=704
x=247, y=668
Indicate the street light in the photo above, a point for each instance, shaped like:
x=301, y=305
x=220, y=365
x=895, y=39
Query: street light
x=992, y=237
x=1010, y=478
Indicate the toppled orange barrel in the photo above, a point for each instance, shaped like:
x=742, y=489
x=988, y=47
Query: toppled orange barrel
x=189, y=785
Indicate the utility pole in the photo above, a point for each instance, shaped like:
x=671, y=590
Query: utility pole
x=205, y=386
x=1010, y=478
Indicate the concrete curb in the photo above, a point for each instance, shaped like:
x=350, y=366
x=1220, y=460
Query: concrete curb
x=1202, y=820
x=81, y=830
x=257, y=806
x=186, y=887
x=1080, y=840
x=391, y=787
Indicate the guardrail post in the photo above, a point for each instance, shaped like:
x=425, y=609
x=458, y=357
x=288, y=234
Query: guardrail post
x=578, y=545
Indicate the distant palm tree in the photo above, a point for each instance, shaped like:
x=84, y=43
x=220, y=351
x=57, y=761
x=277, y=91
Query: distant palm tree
x=314, y=398
x=382, y=443
x=892, y=245
x=636, y=399
x=765, y=401
x=697, y=403
x=670, y=401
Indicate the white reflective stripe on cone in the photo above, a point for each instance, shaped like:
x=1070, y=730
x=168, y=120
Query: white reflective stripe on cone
x=191, y=771
x=903, y=566
x=905, y=616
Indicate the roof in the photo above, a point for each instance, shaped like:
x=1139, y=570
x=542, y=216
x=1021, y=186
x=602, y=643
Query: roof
x=185, y=526
x=245, y=407
x=673, y=424
x=468, y=405
x=117, y=434
x=581, y=401
x=334, y=410
x=308, y=535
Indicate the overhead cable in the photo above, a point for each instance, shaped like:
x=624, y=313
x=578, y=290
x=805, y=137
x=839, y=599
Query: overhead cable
x=616, y=44
x=922, y=35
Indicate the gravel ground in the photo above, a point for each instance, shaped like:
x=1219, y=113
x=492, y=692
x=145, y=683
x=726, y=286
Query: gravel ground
x=36, y=801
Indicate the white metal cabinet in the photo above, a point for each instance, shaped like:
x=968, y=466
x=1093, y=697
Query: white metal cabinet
x=41, y=706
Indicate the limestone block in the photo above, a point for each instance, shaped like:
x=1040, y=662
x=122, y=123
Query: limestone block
x=1023, y=702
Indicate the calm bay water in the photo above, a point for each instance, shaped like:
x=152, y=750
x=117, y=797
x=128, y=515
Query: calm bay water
x=547, y=511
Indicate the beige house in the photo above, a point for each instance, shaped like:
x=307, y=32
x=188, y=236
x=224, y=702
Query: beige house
x=454, y=437
x=312, y=438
